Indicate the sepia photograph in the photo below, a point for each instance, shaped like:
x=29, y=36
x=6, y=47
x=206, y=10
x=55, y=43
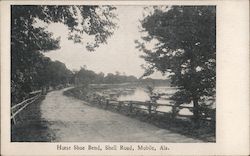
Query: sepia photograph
x=113, y=73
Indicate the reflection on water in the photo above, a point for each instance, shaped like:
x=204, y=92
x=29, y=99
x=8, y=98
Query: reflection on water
x=140, y=94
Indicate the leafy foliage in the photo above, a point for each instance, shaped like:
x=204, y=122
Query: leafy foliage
x=185, y=47
x=27, y=41
x=95, y=21
x=85, y=76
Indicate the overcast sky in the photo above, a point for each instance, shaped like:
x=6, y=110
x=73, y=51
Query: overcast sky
x=119, y=54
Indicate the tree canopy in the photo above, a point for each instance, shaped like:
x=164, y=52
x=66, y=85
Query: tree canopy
x=29, y=41
x=185, y=47
x=96, y=21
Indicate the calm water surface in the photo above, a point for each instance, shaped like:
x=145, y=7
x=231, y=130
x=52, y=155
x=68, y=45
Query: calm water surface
x=140, y=94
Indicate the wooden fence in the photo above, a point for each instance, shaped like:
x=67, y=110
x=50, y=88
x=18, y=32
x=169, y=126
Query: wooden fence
x=147, y=107
x=17, y=108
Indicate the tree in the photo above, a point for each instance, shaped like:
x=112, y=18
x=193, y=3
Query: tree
x=185, y=38
x=56, y=73
x=100, y=77
x=110, y=78
x=28, y=42
x=85, y=76
x=96, y=21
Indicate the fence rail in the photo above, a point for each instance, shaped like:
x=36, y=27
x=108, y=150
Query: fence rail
x=148, y=107
x=16, y=109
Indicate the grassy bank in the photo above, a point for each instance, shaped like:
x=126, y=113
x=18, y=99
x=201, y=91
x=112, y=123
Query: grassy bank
x=30, y=126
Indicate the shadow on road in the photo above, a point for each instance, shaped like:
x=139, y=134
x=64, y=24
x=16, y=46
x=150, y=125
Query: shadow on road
x=30, y=126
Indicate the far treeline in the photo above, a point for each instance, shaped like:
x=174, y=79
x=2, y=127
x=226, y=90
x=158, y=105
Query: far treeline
x=85, y=76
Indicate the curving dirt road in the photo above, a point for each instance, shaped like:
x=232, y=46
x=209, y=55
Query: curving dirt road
x=71, y=119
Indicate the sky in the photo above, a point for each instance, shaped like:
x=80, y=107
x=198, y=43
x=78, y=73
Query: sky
x=119, y=54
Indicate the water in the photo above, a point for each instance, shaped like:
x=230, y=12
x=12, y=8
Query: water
x=133, y=92
x=140, y=94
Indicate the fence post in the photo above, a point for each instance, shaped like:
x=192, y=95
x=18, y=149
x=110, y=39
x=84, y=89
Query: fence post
x=107, y=103
x=14, y=120
x=174, y=112
x=99, y=102
x=119, y=105
x=130, y=106
x=149, y=108
x=44, y=92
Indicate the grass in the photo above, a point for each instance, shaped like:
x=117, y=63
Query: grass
x=30, y=126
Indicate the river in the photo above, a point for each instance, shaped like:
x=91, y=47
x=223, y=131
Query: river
x=140, y=94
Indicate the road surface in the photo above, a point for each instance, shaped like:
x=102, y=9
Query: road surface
x=71, y=120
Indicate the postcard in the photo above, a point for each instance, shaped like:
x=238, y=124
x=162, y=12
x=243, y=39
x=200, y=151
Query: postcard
x=125, y=77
